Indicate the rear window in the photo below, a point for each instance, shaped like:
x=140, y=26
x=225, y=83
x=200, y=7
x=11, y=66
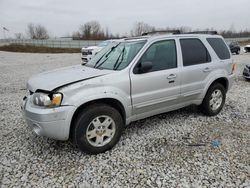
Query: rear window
x=194, y=52
x=219, y=47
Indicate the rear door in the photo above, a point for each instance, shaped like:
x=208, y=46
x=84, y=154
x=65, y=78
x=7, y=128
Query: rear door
x=196, y=66
x=159, y=88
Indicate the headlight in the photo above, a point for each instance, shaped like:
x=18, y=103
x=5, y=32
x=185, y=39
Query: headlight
x=90, y=51
x=47, y=100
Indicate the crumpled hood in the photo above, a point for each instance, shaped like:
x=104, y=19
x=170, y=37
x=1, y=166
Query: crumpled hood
x=63, y=76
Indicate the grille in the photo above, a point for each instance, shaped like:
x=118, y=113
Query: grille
x=85, y=53
x=85, y=59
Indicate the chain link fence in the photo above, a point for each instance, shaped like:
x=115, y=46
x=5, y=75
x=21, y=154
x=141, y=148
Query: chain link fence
x=242, y=39
x=60, y=43
x=51, y=43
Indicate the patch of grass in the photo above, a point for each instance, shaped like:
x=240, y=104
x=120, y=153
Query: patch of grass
x=244, y=43
x=37, y=49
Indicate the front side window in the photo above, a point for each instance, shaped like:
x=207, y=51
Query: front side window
x=194, y=52
x=219, y=47
x=162, y=54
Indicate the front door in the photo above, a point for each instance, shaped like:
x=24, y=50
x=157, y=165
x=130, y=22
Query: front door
x=158, y=89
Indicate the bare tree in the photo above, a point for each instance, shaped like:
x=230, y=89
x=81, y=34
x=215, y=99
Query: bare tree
x=41, y=32
x=76, y=35
x=91, y=30
x=141, y=27
x=37, y=31
x=19, y=36
x=95, y=28
x=31, y=30
x=107, y=34
x=85, y=31
x=185, y=29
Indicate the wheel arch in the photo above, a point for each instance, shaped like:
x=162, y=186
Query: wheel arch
x=222, y=80
x=108, y=101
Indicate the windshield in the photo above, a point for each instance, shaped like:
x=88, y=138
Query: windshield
x=116, y=56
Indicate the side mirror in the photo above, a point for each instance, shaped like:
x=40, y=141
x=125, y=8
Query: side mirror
x=144, y=67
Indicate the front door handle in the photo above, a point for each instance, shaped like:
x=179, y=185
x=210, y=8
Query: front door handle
x=207, y=69
x=171, y=76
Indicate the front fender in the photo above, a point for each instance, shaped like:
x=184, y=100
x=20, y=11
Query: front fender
x=80, y=97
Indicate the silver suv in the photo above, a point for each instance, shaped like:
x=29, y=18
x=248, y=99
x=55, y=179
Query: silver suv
x=129, y=80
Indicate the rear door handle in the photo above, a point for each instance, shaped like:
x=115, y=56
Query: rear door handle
x=171, y=76
x=207, y=69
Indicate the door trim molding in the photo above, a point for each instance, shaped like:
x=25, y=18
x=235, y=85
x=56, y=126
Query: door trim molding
x=154, y=102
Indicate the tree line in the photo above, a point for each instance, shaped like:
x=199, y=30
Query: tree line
x=93, y=30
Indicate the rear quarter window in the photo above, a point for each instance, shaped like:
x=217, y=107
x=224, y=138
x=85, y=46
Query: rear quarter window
x=219, y=47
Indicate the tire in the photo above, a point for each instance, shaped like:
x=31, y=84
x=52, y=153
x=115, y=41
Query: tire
x=212, y=107
x=93, y=126
x=238, y=52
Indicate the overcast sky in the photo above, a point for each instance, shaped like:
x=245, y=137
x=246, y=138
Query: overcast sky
x=62, y=17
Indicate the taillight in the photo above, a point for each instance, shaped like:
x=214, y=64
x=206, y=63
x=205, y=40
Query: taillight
x=234, y=68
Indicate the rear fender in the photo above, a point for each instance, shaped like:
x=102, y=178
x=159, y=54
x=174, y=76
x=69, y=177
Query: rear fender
x=213, y=77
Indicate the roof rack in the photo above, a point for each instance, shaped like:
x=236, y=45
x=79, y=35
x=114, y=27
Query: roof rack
x=203, y=32
x=162, y=31
x=137, y=37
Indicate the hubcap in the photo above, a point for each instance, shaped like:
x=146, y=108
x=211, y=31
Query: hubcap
x=100, y=131
x=215, y=100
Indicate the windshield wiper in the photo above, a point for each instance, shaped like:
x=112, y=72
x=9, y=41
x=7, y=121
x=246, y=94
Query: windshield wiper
x=116, y=65
x=101, y=63
x=106, y=57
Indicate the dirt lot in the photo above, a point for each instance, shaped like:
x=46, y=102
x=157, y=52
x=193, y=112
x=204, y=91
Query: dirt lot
x=168, y=150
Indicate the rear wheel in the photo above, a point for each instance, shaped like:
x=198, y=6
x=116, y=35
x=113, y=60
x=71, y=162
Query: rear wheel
x=214, y=100
x=238, y=52
x=97, y=129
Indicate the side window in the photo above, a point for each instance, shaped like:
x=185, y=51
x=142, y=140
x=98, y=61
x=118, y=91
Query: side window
x=219, y=47
x=194, y=52
x=162, y=54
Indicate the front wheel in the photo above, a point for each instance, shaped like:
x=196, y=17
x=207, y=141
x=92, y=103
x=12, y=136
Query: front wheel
x=214, y=100
x=97, y=129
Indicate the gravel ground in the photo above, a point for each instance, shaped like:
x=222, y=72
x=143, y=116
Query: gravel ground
x=169, y=150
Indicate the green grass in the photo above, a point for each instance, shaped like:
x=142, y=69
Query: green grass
x=37, y=49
